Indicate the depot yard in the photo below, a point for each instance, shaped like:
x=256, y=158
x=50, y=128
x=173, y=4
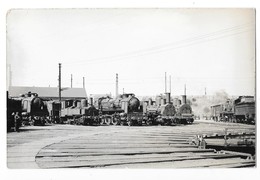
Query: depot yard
x=71, y=146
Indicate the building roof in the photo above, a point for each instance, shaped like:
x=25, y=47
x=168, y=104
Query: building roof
x=48, y=92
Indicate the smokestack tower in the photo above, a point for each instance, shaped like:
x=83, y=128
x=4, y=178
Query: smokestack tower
x=116, y=85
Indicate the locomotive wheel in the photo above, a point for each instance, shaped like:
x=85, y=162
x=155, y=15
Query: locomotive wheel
x=168, y=123
x=122, y=123
x=108, y=120
x=102, y=120
x=114, y=121
x=130, y=123
x=140, y=123
x=149, y=122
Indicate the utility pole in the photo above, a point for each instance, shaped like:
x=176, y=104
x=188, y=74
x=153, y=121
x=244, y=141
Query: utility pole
x=60, y=82
x=165, y=83
x=9, y=82
x=116, y=85
x=71, y=81
x=84, y=82
x=170, y=84
x=185, y=89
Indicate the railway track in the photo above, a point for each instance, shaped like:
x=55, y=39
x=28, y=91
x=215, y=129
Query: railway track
x=119, y=147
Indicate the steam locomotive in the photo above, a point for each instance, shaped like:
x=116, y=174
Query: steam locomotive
x=79, y=112
x=34, y=110
x=124, y=109
x=241, y=110
x=244, y=109
x=164, y=112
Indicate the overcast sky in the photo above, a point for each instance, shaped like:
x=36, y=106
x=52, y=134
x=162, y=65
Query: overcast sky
x=212, y=48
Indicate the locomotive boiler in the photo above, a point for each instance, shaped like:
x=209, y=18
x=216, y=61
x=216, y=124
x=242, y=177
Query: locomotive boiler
x=184, y=113
x=34, y=110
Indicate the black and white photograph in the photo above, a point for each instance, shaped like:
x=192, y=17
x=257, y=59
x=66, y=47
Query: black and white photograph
x=135, y=88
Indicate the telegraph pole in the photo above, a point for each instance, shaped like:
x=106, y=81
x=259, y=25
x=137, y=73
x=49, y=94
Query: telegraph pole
x=84, y=82
x=71, y=81
x=116, y=85
x=60, y=82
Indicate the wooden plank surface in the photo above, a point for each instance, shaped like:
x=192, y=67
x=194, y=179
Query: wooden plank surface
x=68, y=146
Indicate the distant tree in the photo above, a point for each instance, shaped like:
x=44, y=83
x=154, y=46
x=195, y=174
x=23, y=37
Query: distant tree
x=206, y=110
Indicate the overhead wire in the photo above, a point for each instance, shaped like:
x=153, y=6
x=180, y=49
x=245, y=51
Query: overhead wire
x=170, y=46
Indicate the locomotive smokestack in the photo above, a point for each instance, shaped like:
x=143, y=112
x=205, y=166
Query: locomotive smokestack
x=184, y=99
x=168, y=98
x=91, y=101
x=170, y=79
x=165, y=83
x=116, y=85
x=150, y=101
x=184, y=96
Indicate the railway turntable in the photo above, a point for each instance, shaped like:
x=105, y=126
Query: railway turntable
x=67, y=146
